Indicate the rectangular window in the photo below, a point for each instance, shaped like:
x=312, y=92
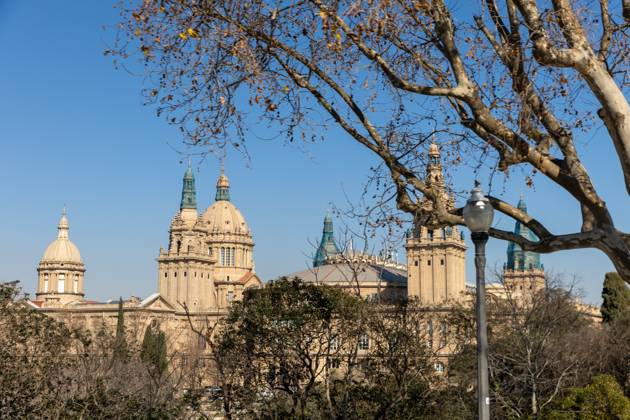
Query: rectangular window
x=223, y=256
x=61, y=280
x=364, y=342
x=442, y=262
x=75, y=286
x=428, y=262
x=443, y=333
x=45, y=283
x=430, y=334
x=230, y=296
x=416, y=263
x=335, y=343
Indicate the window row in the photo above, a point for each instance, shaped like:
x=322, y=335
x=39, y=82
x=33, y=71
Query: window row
x=417, y=262
x=61, y=283
x=185, y=274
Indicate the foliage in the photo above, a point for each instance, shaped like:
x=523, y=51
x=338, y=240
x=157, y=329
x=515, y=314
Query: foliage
x=293, y=349
x=601, y=399
x=49, y=370
x=615, y=298
x=538, y=350
x=120, y=345
x=153, y=350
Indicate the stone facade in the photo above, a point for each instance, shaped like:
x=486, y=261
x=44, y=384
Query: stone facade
x=208, y=264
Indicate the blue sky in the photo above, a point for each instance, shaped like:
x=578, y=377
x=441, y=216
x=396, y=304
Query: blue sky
x=74, y=132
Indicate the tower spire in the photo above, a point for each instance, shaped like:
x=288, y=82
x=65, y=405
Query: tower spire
x=327, y=247
x=63, y=227
x=189, y=195
x=517, y=258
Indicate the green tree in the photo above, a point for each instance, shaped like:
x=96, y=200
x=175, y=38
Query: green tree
x=120, y=342
x=276, y=346
x=616, y=298
x=153, y=350
x=603, y=398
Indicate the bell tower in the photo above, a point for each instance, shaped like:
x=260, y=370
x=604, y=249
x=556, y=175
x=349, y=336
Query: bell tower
x=185, y=270
x=436, y=258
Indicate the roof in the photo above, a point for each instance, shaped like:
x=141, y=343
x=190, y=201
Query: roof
x=62, y=249
x=343, y=273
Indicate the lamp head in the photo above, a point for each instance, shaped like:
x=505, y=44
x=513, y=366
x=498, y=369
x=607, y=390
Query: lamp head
x=478, y=211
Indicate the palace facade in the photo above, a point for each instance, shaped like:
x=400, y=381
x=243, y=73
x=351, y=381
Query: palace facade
x=209, y=262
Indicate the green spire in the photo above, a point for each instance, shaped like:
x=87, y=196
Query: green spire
x=189, y=196
x=223, y=187
x=327, y=247
x=517, y=258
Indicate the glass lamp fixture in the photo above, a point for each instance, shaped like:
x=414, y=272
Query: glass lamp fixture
x=478, y=212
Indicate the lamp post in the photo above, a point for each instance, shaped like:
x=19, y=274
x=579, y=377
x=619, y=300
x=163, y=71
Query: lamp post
x=478, y=214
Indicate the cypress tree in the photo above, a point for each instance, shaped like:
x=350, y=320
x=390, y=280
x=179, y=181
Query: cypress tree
x=153, y=349
x=616, y=298
x=120, y=343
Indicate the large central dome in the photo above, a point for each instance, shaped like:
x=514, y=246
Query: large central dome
x=62, y=249
x=223, y=216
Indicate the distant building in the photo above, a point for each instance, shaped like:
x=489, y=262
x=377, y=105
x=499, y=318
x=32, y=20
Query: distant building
x=208, y=264
x=523, y=270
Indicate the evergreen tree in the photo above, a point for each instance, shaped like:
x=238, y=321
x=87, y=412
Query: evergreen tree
x=603, y=398
x=616, y=298
x=120, y=344
x=153, y=349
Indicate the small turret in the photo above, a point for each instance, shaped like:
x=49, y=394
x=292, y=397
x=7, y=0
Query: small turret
x=517, y=258
x=223, y=187
x=189, y=195
x=327, y=247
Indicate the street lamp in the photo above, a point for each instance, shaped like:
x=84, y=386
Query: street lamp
x=478, y=214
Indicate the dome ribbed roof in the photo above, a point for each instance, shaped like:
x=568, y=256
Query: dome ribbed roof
x=62, y=249
x=223, y=217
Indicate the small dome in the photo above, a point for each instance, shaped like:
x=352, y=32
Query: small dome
x=223, y=217
x=223, y=181
x=62, y=249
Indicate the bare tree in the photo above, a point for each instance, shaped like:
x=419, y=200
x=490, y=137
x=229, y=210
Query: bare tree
x=515, y=83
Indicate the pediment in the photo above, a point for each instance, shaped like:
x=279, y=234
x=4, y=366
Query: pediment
x=156, y=302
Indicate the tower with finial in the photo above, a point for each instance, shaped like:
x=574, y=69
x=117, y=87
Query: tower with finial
x=61, y=269
x=185, y=270
x=523, y=273
x=436, y=257
x=327, y=247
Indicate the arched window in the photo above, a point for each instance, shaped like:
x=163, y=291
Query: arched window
x=45, y=283
x=75, y=286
